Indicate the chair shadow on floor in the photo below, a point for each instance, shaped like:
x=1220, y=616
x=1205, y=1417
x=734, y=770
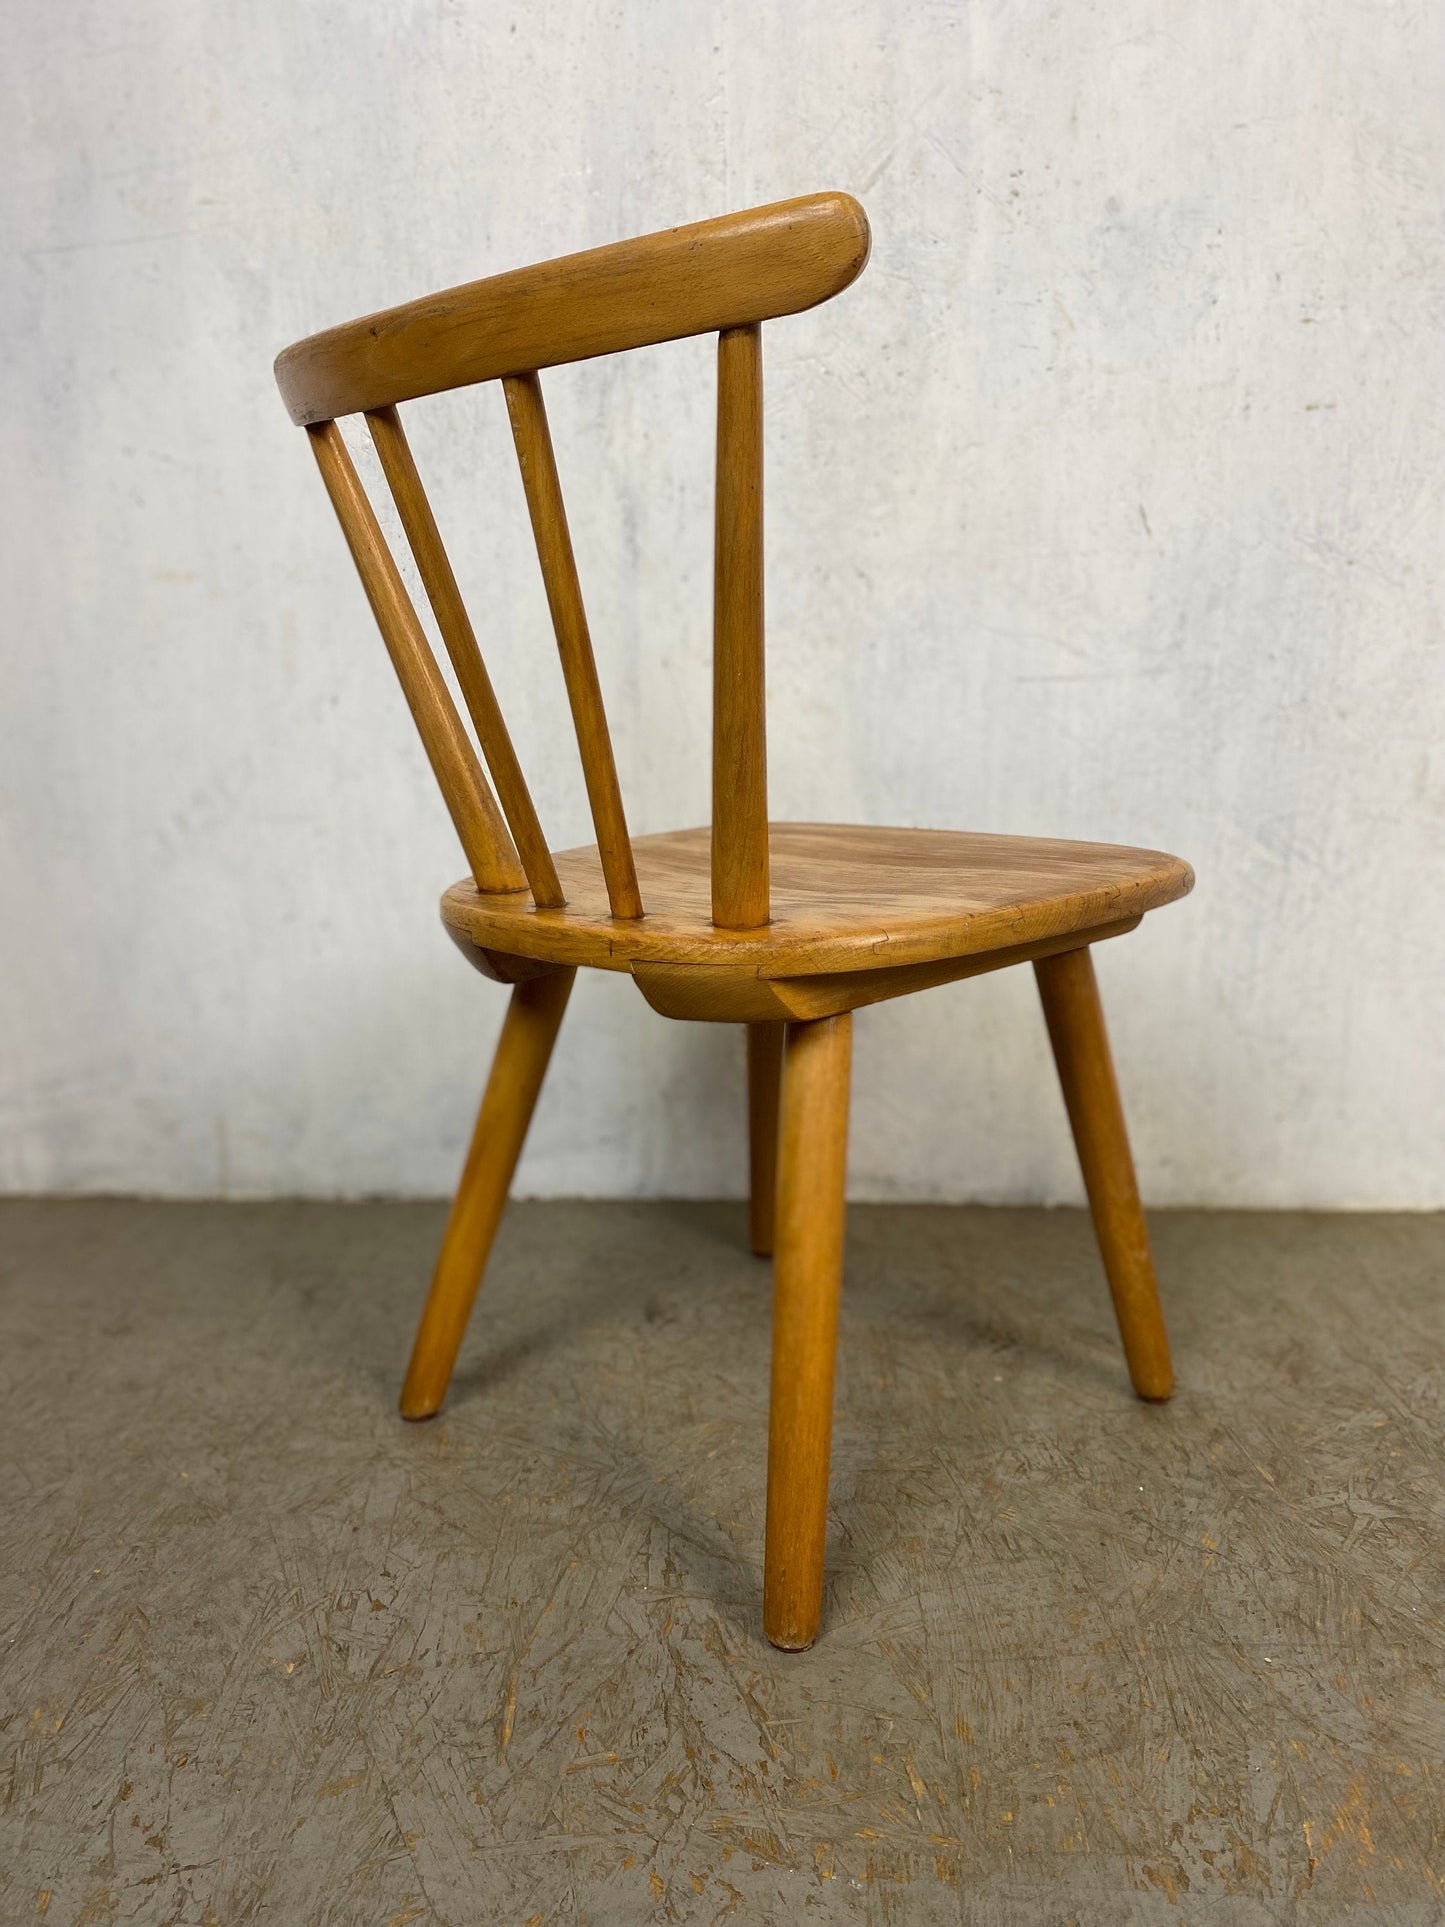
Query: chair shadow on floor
x=941, y=1299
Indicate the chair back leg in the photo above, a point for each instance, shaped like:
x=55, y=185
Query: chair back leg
x=1075, y=1017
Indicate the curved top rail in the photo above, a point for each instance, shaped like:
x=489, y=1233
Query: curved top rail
x=724, y=273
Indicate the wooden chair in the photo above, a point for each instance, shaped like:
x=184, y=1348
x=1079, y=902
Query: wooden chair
x=786, y=928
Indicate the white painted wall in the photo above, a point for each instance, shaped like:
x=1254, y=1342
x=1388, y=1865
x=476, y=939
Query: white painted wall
x=1106, y=504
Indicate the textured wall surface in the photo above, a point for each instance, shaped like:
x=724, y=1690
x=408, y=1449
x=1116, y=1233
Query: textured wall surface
x=1106, y=504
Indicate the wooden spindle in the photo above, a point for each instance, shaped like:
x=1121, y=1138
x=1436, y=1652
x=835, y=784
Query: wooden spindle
x=538, y=463
x=739, y=716
x=473, y=808
x=439, y=581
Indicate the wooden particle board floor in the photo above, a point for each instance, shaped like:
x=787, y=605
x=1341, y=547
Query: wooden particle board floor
x=270, y=1655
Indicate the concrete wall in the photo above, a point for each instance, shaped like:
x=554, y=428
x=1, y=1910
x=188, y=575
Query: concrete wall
x=1106, y=504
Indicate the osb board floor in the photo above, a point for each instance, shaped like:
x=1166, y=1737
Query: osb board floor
x=269, y=1654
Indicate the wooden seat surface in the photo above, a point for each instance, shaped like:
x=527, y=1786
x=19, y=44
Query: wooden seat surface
x=844, y=898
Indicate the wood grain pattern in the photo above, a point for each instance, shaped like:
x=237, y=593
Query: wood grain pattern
x=524, y=1051
x=1070, y=994
x=459, y=776
x=844, y=897
x=724, y=273
x=765, y=1068
x=439, y=581
x=807, y=1279
x=538, y=464
x=739, y=707
x=496, y=965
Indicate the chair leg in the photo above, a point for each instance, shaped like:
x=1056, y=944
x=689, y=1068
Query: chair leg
x=523, y=1050
x=765, y=1066
x=807, y=1274
x=1075, y=1018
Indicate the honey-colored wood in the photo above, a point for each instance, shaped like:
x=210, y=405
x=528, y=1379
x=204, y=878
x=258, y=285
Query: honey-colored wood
x=844, y=898
x=739, y=713
x=787, y=928
x=523, y=1053
x=716, y=994
x=765, y=1067
x=474, y=811
x=723, y=273
x=1070, y=994
x=496, y=965
x=538, y=464
x=807, y=1278
x=434, y=567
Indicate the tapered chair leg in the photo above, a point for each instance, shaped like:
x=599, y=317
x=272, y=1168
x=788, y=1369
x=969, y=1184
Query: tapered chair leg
x=523, y=1051
x=807, y=1275
x=765, y=1065
x=1075, y=1018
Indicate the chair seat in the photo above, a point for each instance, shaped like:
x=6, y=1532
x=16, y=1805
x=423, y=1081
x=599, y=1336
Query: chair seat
x=844, y=898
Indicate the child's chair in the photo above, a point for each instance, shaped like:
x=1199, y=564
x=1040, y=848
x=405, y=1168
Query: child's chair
x=787, y=928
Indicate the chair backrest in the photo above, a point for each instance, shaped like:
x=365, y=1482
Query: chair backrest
x=728, y=275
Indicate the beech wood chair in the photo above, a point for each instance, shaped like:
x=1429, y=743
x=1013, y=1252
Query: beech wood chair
x=786, y=928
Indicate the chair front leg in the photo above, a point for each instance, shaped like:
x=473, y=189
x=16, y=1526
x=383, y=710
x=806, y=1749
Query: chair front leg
x=524, y=1050
x=807, y=1275
x=1070, y=994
